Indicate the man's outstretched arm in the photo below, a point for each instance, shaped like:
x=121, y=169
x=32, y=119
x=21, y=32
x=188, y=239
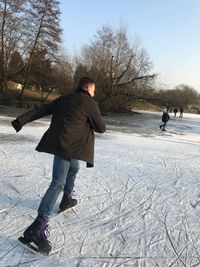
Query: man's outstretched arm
x=33, y=114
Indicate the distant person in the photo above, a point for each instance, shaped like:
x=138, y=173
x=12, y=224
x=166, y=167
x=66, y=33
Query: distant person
x=167, y=107
x=70, y=138
x=181, y=112
x=165, y=119
x=175, y=111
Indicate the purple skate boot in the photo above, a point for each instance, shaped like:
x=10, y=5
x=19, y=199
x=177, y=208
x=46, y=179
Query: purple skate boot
x=36, y=233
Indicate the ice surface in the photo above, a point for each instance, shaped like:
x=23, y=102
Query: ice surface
x=139, y=206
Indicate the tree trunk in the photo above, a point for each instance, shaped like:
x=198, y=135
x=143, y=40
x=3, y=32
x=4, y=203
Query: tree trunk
x=3, y=58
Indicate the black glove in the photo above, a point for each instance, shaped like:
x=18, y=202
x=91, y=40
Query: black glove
x=17, y=125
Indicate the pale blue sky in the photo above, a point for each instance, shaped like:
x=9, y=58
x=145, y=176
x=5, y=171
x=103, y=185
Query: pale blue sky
x=169, y=30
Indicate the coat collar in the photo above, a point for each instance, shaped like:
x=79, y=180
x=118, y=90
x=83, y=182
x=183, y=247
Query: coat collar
x=81, y=90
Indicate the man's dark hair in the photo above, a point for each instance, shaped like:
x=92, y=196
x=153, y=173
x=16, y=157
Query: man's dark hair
x=84, y=81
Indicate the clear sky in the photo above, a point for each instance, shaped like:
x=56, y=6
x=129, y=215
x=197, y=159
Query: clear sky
x=169, y=30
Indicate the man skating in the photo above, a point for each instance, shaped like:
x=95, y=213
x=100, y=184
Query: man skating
x=181, y=112
x=70, y=137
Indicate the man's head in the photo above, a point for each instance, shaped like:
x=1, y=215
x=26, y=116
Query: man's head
x=87, y=84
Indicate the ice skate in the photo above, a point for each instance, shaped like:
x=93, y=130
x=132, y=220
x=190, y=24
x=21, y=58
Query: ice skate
x=67, y=202
x=35, y=237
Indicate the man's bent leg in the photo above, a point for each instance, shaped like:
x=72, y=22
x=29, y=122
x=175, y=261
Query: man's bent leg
x=67, y=200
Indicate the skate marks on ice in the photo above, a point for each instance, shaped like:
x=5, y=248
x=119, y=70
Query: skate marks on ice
x=121, y=230
x=144, y=224
x=133, y=207
x=134, y=230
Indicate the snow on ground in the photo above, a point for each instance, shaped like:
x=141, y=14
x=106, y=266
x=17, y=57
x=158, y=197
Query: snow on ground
x=139, y=206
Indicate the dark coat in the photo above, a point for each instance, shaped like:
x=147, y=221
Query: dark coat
x=165, y=117
x=70, y=134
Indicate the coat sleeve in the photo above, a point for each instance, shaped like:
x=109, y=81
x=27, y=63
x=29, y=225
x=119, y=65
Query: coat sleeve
x=96, y=121
x=37, y=113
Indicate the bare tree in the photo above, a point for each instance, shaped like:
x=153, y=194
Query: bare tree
x=121, y=66
x=11, y=20
x=186, y=95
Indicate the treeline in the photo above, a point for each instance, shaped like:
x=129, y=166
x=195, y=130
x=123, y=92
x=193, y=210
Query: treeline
x=181, y=95
x=31, y=54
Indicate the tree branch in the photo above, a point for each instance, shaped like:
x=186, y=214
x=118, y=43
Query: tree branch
x=124, y=72
x=137, y=78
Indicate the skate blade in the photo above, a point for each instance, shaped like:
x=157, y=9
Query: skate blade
x=31, y=248
x=67, y=208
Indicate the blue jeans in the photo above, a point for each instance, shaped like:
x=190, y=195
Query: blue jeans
x=64, y=174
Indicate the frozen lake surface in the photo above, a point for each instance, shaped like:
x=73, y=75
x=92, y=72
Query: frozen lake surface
x=139, y=206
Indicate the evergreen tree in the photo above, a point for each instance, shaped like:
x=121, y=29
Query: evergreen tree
x=44, y=32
